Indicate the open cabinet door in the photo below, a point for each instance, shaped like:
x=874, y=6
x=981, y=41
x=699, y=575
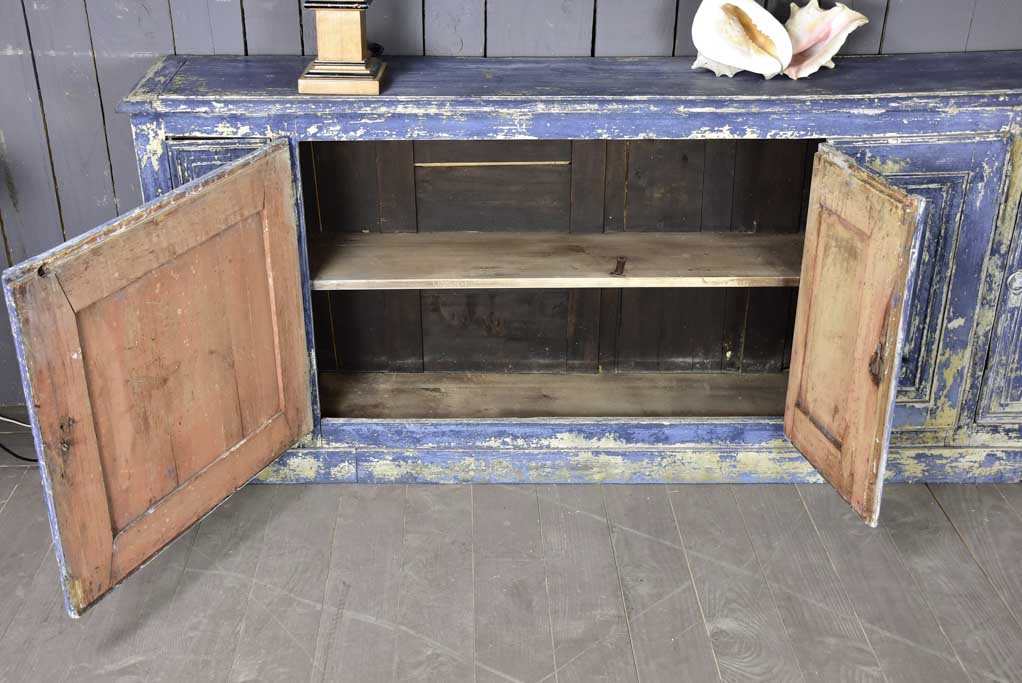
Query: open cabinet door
x=856, y=273
x=165, y=364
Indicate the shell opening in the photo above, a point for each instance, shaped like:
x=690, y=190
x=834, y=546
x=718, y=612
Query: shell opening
x=754, y=34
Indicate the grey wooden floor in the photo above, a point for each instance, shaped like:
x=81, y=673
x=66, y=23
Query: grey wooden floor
x=549, y=583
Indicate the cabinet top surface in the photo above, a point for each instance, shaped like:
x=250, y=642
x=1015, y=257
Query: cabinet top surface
x=268, y=85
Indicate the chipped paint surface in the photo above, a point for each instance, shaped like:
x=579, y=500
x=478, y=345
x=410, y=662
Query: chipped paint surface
x=953, y=142
x=887, y=166
x=701, y=465
x=298, y=466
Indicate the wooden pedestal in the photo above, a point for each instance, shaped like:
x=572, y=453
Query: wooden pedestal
x=343, y=65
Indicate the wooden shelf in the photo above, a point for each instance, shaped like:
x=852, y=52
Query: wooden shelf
x=496, y=395
x=469, y=260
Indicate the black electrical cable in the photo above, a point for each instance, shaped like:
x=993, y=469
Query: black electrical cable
x=15, y=455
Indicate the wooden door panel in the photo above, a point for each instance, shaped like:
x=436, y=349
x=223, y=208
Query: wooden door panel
x=166, y=359
x=859, y=251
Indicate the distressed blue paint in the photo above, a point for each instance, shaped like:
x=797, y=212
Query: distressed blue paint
x=950, y=308
x=190, y=159
x=726, y=465
x=230, y=85
x=533, y=434
x=303, y=265
x=303, y=466
x=936, y=124
x=1000, y=404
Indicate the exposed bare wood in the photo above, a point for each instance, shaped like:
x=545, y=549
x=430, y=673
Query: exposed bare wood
x=513, y=260
x=846, y=347
x=477, y=395
x=167, y=359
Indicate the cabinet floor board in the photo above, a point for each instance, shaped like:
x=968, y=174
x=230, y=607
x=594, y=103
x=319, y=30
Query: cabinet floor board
x=499, y=395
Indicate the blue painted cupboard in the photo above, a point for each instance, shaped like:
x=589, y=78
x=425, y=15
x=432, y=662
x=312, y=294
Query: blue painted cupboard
x=928, y=144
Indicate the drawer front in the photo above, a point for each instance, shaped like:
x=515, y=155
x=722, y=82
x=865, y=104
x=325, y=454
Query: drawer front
x=1001, y=397
x=960, y=180
x=192, y=158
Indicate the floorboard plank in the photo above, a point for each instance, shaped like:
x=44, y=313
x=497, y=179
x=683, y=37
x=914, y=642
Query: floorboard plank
x=124, y=635
x=435, y=640
x=39, y=642
x=992, y=530
x=278, y=641
x=817, y=614
x=359, y=622
x=898, y=621
x=589, y=628
x=744, y=623
x=665, y=621
x=205, y=621
x=512, y=614
x=977, y=622
x=25, y=534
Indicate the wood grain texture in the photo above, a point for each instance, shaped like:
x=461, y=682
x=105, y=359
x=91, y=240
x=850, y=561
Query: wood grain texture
x=396, y=25
x=24, y=528
x=912, y=27
x=859, y=244
x=517, y=28
x=819, y=618
x=359, y=621
x=519, y=260
x=126, y=37
x=289, y=581
x=272, y=28
x=992, y=529
x=590, y=630
x=665, y=622
x=28, y=203
x=512, y=612
x=207, y=611
x=994, y=26
x=73, y=477
x=479, y=395
x=683, y=45
x=971, y=612
x=95, y=376
x=212, y=27
x=895, y=614
x=183, y=615
x=377, y=330
x=494, y=330
x=631, y=29
x=490, y=197
x=435, y=607
x=455, y=27
x=744, y=625
x=127, y=630
x=66, y=73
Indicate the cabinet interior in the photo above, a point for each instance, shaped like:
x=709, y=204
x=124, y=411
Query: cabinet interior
x=481, y=279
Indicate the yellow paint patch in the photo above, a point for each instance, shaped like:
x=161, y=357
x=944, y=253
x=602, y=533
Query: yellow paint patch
x=887, y=166
x=301, y=467
x=344, y=471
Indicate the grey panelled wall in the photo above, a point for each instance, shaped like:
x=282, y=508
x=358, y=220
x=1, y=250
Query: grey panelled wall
x=66, y=159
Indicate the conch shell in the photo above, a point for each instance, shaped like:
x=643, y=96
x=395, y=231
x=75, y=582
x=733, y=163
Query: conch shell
x=817, y=35
x=739, y=35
